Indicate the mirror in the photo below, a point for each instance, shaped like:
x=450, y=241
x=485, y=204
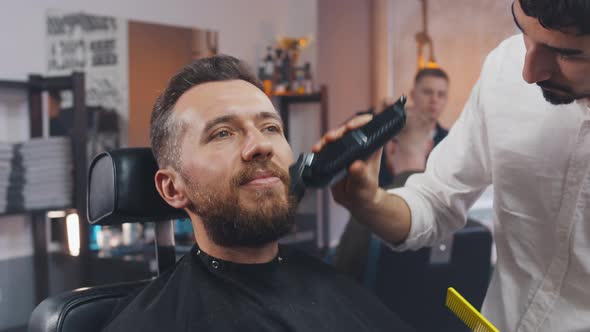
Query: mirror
x=127, y=64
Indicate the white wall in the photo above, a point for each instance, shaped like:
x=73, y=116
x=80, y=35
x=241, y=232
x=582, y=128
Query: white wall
x=245, y=27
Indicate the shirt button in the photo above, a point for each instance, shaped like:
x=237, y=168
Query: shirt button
x=215, y=264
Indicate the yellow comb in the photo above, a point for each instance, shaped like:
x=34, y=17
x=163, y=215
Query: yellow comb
x=467, y=313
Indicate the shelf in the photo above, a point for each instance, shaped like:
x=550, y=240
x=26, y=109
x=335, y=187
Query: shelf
x=24, y=211
x=41, y=83
x=35, y=86
x=52, y=83
x=13, y=85
x=299, y=98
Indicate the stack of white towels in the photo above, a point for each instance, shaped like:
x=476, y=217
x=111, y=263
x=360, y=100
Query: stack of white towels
x=6, y=156
x=36, y=174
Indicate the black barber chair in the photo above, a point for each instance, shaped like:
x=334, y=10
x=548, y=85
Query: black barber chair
x=120, y=190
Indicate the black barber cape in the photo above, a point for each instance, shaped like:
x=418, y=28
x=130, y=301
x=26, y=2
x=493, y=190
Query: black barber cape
x=294, y=292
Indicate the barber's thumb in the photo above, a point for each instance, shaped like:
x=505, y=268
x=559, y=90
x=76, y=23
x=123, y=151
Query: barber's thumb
x=358, y=175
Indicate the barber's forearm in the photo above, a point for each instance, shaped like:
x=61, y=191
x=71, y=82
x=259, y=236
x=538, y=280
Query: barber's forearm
x=389, y=217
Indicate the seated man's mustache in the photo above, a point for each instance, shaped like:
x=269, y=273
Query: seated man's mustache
x=256, y=169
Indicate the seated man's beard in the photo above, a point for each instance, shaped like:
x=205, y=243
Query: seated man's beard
x=229, y=223
x=567, y=96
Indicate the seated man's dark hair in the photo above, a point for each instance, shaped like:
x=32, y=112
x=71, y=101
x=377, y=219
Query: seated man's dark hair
x=560, y=14
x=165, y=131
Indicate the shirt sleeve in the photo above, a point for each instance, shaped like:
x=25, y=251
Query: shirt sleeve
x=457, y=172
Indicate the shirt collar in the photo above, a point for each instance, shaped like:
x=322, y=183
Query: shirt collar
x=218, y=264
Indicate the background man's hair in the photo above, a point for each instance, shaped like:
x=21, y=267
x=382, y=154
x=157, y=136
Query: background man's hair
x=430, y=72
x=560, y=14
x=165, y=131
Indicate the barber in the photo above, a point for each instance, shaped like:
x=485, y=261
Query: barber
x=525, y=130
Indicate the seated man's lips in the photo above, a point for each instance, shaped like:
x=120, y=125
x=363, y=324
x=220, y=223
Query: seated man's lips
x=263, y=179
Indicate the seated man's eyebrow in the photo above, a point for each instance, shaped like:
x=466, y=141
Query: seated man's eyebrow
x=214, y=122
x=515, y=20
x=230, y=118
x=269, y=115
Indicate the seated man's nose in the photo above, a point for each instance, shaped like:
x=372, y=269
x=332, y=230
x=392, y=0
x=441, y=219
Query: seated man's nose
x=258, y=149
x=262, y=155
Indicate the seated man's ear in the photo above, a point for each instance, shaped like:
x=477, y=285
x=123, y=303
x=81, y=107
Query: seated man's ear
x=172, y=188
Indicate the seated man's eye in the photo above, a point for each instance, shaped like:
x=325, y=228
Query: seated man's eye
x=273, y=129
x=221, y=134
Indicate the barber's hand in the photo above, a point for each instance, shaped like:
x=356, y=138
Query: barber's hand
x=360, y=186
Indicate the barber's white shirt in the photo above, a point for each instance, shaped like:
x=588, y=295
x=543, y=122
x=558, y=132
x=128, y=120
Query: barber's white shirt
x=537, y=157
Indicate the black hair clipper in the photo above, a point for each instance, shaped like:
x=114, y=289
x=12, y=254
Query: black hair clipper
x=330, y=164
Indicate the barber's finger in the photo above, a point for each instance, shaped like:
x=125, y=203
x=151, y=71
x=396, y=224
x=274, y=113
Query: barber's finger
x=357, y=167
x=335, y=134
x=328, y=137
x=358, y=175
x=365, y=170
x=375, y=159
x=359, y=121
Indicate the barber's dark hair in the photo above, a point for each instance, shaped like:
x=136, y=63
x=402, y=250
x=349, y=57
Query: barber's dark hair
x=165, y=131
x=560, y=14
x=430, y=72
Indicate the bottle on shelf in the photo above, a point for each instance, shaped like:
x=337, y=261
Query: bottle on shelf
x=299, y=81
x=286, y=71
x=266, y=71
x=307, y=79
x=279, y=87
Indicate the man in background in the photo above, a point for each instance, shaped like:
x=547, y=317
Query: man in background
x=429, y=96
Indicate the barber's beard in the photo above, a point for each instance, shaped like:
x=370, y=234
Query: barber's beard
x=268, y=216
x=557, y=99
x=566, y=95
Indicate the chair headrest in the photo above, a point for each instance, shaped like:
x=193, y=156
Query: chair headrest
x=121, y=189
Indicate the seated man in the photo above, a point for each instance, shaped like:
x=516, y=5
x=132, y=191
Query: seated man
x=224, y=159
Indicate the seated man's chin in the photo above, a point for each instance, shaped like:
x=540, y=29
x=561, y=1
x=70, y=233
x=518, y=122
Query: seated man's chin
x=265, y=192
x=259, y=198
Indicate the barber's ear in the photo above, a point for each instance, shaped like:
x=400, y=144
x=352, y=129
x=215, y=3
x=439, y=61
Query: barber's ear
x=171, y=188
